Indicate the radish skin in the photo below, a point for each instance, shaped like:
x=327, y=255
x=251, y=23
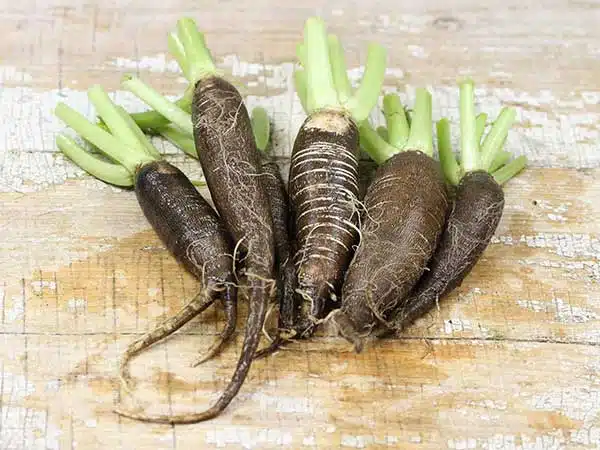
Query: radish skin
x=476, y=208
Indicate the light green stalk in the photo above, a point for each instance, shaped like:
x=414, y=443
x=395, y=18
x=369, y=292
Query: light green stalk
x=326, y=78
x=395, y=120
x=477, y=155
x=469, y=148
x=125, y=144
x=448, y=161
x=261, y=126
x=510, y=170
x=159, y=103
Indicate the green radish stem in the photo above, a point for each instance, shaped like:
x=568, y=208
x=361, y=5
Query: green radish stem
x=339, y=69
x=326, y=78
x=103, y=170
x=383, y=133
x=510, y=170
x=126, y=146
x=501, y=158
x=177, y=50
x=450, y=166
x=419, y=137
x=478, y=152
x=189, y=49
x=395, y=120
x=495, y=138
x=480, y=122
x=300, y=86
x=197, y=56
x=468, y=134
x=159, y=103
x=261, y=127
x=179, y=139
x=150, y=121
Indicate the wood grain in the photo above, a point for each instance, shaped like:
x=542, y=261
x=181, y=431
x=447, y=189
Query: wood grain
x=508, y=361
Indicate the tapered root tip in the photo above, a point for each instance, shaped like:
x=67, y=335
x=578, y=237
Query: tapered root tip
x=347, y=330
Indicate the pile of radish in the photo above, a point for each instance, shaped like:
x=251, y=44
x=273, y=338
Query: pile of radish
x=312, y=250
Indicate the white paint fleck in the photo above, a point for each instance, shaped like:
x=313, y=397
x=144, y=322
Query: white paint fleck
x=52, y=386
x=282, y=404
x=417, y=51
x=557, y=218
x=153, y=292
x=456, y=325
x=158, y=63
x=562, y=310
x=27, y=428
x=76, y=304
x=15, y=309
x=91, y=423
x=330, y=429
x=567, y=245
x=348, y=440
x=309, y=441
x=10, y=73
x=39, y=286
x=247, y=438
x=337, y=12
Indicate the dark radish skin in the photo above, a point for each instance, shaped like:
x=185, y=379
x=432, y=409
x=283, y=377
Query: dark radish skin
x=476, y=212
x=278, y=201
x=405, y=208
x=231, y=164
x=406, y=204
x=476, y=209
x=184, y=221
x=193, y=232
x=323, y=183
x=323, y=190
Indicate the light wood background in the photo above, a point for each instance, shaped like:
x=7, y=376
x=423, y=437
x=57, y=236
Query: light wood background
x=509, y=361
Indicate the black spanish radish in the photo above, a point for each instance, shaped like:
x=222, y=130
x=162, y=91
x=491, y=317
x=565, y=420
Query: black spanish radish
x=476, y=207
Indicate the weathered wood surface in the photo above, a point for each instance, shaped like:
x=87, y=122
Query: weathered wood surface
x=509, y=361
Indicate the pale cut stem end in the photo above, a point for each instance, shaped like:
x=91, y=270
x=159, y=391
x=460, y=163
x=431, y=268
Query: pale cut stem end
x=469, y=148
x=197, y=55
x=320, y=87
x=366, y=96
x=421, y=131
x=159, y=103
x=450, y=166
x=261, y=126
x=510, y=170
x=103, y=170
x=398, y=129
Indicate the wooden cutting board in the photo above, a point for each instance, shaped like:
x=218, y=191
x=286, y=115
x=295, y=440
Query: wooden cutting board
x=508, y=361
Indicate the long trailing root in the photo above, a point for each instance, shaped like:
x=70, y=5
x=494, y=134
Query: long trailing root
x=230, y=306
x=196, y=306
x=262, y=289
